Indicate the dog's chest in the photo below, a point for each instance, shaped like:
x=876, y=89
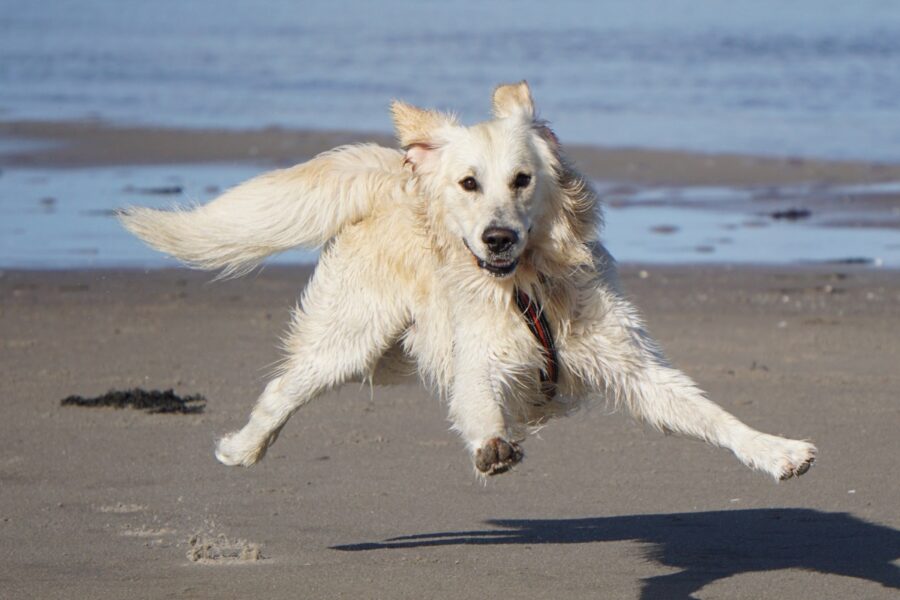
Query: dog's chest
x=514, y=342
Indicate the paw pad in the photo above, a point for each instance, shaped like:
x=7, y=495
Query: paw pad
x=497, y=456
x=799, y=469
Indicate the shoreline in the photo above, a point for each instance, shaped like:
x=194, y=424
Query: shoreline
x=66, y=179
x=83, y=144
x=306, y=268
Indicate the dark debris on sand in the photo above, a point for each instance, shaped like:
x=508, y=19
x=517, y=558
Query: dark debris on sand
x=152, y=401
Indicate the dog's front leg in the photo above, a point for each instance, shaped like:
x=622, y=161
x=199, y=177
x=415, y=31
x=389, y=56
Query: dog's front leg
x=614, y=355
x=476, y=406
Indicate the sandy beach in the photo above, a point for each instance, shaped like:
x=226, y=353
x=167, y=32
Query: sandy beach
x=368, y=495
x=748, y=162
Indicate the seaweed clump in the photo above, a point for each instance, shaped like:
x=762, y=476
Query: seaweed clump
x=152, y=401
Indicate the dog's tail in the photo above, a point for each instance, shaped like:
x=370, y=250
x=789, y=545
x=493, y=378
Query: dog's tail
x=305, y=205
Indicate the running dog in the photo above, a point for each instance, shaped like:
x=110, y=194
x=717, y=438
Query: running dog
x=472, y=255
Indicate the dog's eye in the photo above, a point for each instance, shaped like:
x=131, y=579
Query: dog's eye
x=522, y=180
x=469, y=184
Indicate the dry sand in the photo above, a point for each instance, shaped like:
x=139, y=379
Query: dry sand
x=372, y=497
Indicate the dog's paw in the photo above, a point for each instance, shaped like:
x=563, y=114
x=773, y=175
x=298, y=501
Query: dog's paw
x=497, y=456
x=231, y=450
x=797, y=460
x=780, y=457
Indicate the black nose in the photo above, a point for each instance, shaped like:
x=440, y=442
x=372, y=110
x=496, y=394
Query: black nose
x=499, y=239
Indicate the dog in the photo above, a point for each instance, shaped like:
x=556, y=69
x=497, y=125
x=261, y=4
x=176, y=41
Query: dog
x=471, y=255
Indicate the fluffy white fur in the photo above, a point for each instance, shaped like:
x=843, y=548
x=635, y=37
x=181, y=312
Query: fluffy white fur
x=409, y=280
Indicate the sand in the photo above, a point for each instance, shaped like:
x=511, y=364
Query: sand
x=368, y=495
x=82, y=144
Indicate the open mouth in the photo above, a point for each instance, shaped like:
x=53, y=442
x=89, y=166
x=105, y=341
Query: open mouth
x=499, y=267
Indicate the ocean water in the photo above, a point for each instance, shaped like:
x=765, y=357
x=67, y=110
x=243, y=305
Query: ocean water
x=816, y=78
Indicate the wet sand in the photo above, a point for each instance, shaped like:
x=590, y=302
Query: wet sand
x=83, y=144
x=370, y=496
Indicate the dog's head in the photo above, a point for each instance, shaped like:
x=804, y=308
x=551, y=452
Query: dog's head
x=488, y=180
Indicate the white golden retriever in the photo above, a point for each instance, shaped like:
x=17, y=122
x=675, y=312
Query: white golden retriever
x=472, y=255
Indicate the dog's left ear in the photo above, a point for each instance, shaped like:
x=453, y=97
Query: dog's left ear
x=513, y=99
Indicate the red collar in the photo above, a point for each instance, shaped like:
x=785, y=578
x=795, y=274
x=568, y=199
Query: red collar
x=537, y=323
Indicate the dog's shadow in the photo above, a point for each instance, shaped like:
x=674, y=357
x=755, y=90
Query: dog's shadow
x=706, y=546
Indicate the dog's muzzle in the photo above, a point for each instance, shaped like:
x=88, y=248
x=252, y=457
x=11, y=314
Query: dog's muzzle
x=500, y=242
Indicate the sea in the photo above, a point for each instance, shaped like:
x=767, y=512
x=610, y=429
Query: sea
x=810, y=77
x=797, y=78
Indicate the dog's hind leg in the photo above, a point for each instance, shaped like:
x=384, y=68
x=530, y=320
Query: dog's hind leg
x=335, y=336
x=613, y=355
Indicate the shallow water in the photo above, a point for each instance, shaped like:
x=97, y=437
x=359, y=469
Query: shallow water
x=674, y=235
x=53, y=218
x=59, y=218
x=810, y=77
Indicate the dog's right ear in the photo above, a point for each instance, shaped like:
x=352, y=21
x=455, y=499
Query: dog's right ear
x=513, y=99
x=418, y=130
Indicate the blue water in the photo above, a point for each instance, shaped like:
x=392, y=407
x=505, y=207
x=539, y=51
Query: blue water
x=817, y=78
x=52, y=218
x=806, y=77
x=62, y=218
